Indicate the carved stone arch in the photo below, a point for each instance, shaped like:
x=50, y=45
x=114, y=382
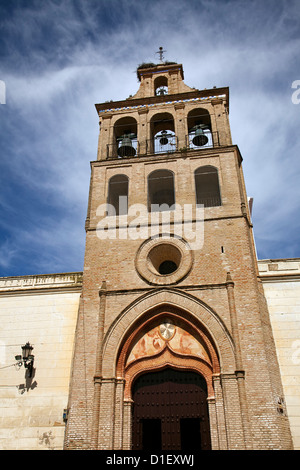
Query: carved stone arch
x=165, y=301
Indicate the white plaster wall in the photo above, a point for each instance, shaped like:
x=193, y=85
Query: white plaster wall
x=283, y=297
x=31, y=411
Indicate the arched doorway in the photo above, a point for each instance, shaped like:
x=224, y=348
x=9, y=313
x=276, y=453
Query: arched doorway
x=165, y=341
x=170, y=411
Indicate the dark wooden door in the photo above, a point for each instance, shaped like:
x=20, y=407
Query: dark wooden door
x=170, y=412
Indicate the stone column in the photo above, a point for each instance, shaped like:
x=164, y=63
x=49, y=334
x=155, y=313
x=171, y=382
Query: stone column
x=119, y=414
x=232, y=409
x=143, y=131
x=107, y=414
x=98, y=368
x=127, y=425
x=181, y=130
x=220, y=414
x=240, y=373
x=105, y=137
x=211, y=402
x=221, y=129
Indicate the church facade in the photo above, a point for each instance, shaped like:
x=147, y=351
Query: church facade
x=173, y=329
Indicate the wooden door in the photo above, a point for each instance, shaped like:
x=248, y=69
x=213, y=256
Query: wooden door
x=170, y=412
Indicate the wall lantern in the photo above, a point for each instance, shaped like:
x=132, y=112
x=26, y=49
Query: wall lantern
x=27, y=358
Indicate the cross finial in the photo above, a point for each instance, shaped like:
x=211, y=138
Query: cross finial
x=160, y=52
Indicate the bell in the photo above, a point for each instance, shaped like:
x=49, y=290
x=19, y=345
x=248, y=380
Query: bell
x=163, y=140
x=200, y=138
x=126, y=149
x=161, y=91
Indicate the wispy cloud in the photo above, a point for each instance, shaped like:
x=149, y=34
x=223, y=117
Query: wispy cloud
x=62, y=57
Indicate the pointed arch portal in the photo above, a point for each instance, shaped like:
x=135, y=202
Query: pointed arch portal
x=162, y=340
x=168, y=365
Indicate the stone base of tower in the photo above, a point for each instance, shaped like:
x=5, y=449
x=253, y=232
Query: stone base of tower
x=169, y=332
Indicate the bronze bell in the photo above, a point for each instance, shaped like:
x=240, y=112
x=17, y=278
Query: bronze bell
x=126, y=149
x=200, y=138
x=163, y=140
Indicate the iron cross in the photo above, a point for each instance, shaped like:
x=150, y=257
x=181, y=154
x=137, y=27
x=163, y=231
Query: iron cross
x=160, y=52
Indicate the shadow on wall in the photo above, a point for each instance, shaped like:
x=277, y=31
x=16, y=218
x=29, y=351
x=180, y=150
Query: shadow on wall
x=29, y=384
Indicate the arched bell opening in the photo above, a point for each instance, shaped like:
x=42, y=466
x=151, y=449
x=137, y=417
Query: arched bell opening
x=163, y=138
x=125, y=137
x=161, y=86
x=199, y=129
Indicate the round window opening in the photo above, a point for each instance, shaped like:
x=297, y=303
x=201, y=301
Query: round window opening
x=164, y=259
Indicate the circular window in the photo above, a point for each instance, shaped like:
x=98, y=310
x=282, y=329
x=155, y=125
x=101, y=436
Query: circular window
x=164, y=260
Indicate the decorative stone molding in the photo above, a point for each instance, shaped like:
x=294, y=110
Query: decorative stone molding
x=167, y=358
x=167, y=340
x=166, y=300
x=42, y=281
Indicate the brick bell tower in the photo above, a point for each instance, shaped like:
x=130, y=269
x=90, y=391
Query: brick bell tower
x=173, y=347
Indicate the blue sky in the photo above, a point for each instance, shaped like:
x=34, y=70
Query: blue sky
x=60, y=57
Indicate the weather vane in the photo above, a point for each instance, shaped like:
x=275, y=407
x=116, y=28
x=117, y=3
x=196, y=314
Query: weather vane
x=160, y=52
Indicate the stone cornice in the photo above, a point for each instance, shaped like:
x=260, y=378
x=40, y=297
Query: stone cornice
x=279, y=277
x=167, y=157
x=132, y=103
x=41, y=283
x=279, y=270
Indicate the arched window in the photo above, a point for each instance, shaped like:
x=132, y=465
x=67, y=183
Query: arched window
x=117, y=195
x=207, y=186
x=161, y=194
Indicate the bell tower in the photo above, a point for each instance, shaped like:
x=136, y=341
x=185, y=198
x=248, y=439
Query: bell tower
x=173, y=337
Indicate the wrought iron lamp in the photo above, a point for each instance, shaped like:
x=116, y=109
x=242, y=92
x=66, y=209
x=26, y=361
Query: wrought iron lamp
x=26, y=358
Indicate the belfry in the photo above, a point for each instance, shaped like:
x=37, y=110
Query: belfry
x=174, y=348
